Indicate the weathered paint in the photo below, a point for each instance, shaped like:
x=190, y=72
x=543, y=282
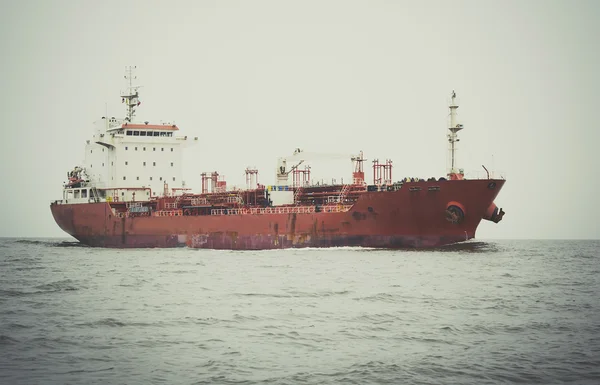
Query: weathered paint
x=389, y=219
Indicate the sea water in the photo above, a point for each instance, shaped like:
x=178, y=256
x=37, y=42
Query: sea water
x=482, y=312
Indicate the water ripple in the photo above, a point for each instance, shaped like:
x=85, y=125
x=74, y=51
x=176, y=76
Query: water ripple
x=473, y=313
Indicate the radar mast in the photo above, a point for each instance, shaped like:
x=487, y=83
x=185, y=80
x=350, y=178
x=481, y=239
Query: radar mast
x=453, y=137
x=131, y=97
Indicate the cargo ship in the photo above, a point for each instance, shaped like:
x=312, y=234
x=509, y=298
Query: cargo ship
x=124, y=196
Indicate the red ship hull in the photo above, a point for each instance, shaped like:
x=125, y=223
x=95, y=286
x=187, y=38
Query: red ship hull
x=413, y=216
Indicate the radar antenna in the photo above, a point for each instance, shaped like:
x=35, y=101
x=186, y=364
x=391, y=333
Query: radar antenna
x=131, y=97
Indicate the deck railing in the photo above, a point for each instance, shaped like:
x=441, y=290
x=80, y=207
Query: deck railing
x=482, y=174
x=282, y=210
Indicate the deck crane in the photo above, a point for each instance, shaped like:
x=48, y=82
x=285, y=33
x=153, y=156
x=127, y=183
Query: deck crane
x=299, y=157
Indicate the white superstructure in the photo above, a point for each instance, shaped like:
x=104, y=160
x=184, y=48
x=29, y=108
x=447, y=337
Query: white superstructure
x=127, y=160
x=135, y=155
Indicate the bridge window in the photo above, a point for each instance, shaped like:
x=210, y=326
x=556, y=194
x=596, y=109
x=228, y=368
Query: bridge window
x=156, y=133
x=84, y=193
x=142, y=133
x=136, y=133
x=76, y=194
x=149, y=133
x=129, y=132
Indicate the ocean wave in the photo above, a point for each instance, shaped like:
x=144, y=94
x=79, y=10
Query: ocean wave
x=16, y=325
x=49, y=243
x=470, y=246
x=264, y=295
x=318, y=294
x=41, y=289
x=204, y=321
x=132, y=282
x=12, y=293
x=63, y=285
x=360, y=373
x=236, y=319
x=6, y=340
x=88, y=370
x=478, y=329
x=70, y=244
x=450, y=329
x=105, y=322
x=242, y=318
x=295, y=294
x=27, y=268
x=381, y=297
x=112, y=322
x=375, y=318
x=32, y=242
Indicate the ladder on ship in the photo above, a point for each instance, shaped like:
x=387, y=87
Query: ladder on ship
x=297, y=194
x=343, y=193
x=177, y=199
x=94, y=194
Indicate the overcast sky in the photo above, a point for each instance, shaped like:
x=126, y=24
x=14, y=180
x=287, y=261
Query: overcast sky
x=256, y=79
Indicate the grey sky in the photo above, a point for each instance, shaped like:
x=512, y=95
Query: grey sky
x=256, y=79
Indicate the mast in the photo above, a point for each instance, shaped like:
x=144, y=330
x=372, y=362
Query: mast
x=131, y=97
x=452, y=136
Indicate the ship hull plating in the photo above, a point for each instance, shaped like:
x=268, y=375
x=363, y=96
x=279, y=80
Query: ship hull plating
x=414, y=216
